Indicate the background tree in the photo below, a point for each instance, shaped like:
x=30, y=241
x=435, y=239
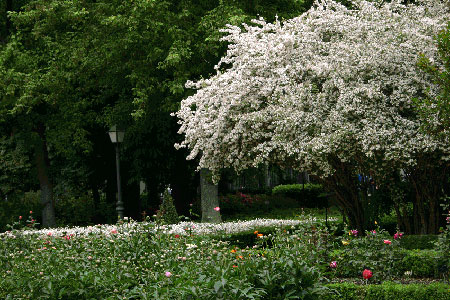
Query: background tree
x=73, y=68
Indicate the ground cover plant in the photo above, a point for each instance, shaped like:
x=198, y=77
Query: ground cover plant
x=289, y=259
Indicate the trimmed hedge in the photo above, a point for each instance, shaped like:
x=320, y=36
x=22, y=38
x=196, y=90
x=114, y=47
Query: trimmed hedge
x=422, y=264
x=418, y=241
x=307, y=195
x=387, y=291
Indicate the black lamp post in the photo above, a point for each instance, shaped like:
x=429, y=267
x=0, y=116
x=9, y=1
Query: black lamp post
x=116, y=136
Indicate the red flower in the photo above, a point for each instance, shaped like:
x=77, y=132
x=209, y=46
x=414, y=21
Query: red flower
x=177, y=236
x=31, y=212
x=367, y=274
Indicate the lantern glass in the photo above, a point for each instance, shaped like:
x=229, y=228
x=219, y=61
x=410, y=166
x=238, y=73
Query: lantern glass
x=116, y=135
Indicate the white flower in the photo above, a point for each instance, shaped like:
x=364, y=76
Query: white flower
x=333, y=83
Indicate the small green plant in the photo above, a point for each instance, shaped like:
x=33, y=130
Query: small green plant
x=167, y=213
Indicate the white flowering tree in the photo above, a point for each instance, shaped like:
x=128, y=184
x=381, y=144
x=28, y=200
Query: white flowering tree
x=329, y=92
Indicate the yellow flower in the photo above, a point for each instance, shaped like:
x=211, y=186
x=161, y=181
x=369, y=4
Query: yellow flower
x=376, y=223
x=345, y=242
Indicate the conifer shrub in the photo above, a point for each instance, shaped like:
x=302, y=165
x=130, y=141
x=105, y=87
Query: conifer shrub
x=167, y=213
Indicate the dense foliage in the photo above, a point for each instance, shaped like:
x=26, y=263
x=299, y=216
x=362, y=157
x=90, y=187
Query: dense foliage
x=71, y=69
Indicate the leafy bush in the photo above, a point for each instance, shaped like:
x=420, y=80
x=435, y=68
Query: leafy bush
x=307, y=195
x=377, y=251
x=19, y=205
x=167, y=213
x=421, y=263
x=387, y=290
x=74, y=211
x=418, y=241
x=240, y=203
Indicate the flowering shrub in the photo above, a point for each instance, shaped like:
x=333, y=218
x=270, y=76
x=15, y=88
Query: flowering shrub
x=334, y=82
x=329, y=91
x=375, y=251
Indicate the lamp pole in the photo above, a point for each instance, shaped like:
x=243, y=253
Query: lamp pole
x=119, y=205
x=117, y=136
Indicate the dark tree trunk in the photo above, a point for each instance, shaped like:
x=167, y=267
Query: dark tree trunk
x=96, y=197
x=8, y=7
x=42, y=167
x=428, y=180
x=343, y=185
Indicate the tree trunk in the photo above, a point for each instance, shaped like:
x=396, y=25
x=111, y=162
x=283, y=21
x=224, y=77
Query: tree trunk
x=8, y=7
x=209, y=198
x=42, y=166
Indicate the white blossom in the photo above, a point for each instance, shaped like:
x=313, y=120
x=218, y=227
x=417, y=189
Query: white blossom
x=333, y=82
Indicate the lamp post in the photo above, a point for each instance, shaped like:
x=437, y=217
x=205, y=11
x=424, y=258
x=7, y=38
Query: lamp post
x=116, y=136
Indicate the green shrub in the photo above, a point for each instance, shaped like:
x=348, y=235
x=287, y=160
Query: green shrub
x=422, y=263
x=307, y=195
x=418, y=241
x=387, y=291
x=356, y=253
x=74, y=211
x=259, y=204
x=167, y=213
x=19, y=204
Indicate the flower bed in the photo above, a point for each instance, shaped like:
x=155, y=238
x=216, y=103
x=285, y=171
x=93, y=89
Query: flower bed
x=201, y=261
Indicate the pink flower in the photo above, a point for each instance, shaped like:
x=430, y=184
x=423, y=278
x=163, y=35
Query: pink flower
x=89, y=257
x=49, y=234
x=217, y=208
x=333, y=264
x=41, y=273
x=367, y=274
x=398, y=235
x=387, y=242
x=114, y=231
x=31, y=212
x=374, y=232
x=354, y=232
x=168, y=274
x=20, y=217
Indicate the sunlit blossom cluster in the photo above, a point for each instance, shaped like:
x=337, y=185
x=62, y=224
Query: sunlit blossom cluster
x=334, y=83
